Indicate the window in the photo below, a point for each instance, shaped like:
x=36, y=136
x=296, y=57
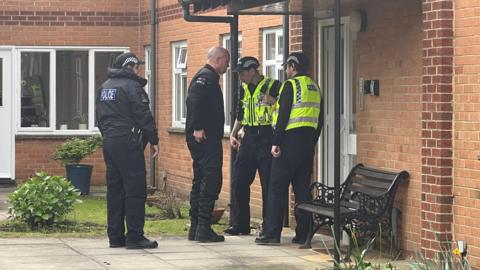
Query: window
x=179, y=70
x=35, y=89
x=58, y=86
x=72, y=89
x=273, y=53
x=227, y=83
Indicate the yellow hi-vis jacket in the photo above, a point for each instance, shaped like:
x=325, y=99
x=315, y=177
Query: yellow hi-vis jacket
x=307, y=98
x=255, y=111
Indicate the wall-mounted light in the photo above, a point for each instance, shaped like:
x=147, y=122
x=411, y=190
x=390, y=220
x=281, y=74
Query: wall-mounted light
x=358, y=21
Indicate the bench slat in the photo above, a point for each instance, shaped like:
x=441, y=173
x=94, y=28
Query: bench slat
x=367, y=190
x=374, y=173
x=322, y=210
x=377, y=183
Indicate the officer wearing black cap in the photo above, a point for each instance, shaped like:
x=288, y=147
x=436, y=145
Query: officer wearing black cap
x=255, y=112
x=297, y=126
x=204, y=133
x=127, y=125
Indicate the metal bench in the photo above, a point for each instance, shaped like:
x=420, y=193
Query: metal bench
x=366, y=200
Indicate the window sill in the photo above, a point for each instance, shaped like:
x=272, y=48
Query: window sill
x=51, y=136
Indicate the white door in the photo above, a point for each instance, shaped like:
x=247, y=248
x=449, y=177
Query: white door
x=348, y=148
x=6, y=130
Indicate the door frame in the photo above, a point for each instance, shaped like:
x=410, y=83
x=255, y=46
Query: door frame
x=8, y=66
x=348, y=141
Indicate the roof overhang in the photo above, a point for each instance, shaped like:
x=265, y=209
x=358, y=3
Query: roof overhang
x=249, y=7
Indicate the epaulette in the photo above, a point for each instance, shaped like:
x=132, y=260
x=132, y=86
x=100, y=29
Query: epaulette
x=202, y=81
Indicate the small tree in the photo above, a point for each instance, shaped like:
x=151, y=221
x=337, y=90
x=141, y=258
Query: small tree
x=73, y=150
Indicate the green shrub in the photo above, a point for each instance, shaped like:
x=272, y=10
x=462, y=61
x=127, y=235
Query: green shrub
x=73, y=150
x=42, y=200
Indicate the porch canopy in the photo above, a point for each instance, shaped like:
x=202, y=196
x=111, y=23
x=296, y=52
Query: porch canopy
x=321, y=9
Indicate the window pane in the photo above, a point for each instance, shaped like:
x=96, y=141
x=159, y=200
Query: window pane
x=103, y=61
x=1, y=82
x=184, y=96
x=178, y=98
x=280, y=46
x=228, y=96
x=270, y=46
x=72, y=89
x=281, y=75
x=35, y=89
x=271, y=72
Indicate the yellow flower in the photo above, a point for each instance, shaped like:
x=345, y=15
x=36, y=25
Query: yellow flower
x=456, y=251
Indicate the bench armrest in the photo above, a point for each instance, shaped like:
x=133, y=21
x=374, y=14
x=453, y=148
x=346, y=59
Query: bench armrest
x=324, y=195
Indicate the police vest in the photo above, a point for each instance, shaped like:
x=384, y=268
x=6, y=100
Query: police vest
x=255, y=111
x=307, y=98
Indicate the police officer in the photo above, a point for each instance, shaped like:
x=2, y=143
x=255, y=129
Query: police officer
x=127, y=125
x=297, y=127
x=255, y=111
x=204, y=133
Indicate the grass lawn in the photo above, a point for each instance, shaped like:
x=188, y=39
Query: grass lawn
x=89, y=219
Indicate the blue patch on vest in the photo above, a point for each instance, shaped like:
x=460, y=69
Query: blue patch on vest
x=312, y=87
x=108, y=95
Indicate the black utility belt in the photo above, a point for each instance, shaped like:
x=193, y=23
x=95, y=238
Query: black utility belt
x=258, y=130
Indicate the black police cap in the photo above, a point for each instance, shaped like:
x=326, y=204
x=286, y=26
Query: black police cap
x=247, y=62
x=125, y=59
x=298, y=58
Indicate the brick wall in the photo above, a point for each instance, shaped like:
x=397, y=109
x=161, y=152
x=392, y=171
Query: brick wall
x=466, y=117
x=389, y=128
x=437, y=125
x=35, y=155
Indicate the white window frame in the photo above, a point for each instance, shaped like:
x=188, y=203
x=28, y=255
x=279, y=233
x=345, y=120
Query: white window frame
x=278, y=61
x=52, y=130
x=225, y=38
x=178, y=70
x=148, y=73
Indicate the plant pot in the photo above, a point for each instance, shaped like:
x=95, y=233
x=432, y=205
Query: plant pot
x=79, y=175
x=82, y=126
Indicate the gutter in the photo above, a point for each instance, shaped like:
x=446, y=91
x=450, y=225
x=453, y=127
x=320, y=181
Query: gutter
x=153, y=82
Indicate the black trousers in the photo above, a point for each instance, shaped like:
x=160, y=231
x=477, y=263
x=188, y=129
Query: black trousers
x=207, y=179
x=253, y=154
x=126, y=189
x=294, y=165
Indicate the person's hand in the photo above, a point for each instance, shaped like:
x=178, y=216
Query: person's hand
x=269, y=99
x=234, y=142
x=199, y=135
x=154, y=148
x=276, y=152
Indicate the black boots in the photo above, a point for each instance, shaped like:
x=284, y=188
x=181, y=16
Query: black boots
x=192, y=231
x=206, y=234
x=233, y=230
x=142, y=244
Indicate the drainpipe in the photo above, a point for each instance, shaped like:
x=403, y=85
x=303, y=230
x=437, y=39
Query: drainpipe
x=153, y=81
x=286, y=52
x=233, y=21
x=336, y=145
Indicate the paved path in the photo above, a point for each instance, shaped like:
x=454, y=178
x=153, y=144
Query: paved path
x=237, y=252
